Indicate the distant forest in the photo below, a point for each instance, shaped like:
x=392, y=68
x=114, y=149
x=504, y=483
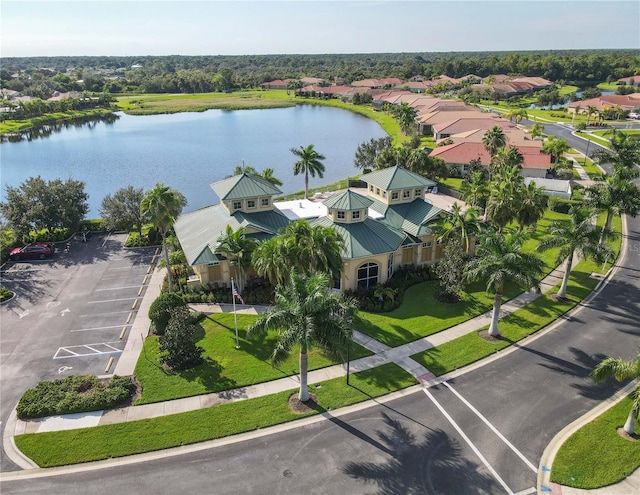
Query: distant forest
x=198, y=74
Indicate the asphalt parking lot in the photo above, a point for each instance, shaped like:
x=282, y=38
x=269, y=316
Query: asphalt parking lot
x=72, y=313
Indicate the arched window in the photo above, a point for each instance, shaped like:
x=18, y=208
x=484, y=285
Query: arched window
x=368, y=275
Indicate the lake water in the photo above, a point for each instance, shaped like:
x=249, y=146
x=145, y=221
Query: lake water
x=189, y=151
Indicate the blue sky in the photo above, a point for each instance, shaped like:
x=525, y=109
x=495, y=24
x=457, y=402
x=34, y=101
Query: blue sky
x=207, y=27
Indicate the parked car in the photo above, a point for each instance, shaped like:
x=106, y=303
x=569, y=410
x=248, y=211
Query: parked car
x=634, y=115
x=34, y=251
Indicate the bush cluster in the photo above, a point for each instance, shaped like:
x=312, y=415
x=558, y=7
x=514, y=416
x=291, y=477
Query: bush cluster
x=403, y=278
x=74, y=394
x=5, y=294
x=560, y=205
x=257, y=291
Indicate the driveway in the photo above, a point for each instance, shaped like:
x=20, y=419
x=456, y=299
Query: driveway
x=71, y=314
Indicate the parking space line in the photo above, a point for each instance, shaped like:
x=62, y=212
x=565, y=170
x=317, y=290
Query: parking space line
x=493, y=428
x=93, y=315
x=95, y=328
x=118, y=288
x=111, y=300
x=87, y=347
x=469, y=442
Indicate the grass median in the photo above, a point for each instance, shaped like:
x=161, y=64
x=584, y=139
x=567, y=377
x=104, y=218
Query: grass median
x=578, y=464
x=122, y=439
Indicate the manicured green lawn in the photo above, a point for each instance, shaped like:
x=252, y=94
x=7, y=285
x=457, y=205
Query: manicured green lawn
x=525, y=321
x=122, y=439
x=452, y=182
x=224, y=366
x=596, y=455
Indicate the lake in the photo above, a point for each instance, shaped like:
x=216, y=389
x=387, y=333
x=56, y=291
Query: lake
x=189, y=151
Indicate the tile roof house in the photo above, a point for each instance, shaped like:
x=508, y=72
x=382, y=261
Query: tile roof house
x=631, y=80
x=626, y=102
x=459, y=155
x=384, y=226
x=276, y=84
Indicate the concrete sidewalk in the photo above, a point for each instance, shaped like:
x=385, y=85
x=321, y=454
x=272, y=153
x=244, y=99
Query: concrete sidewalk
x=382, y=354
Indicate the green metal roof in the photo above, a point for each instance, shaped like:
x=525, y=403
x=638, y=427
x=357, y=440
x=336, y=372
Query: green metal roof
x=348, y=200
x=396, y=178
x=199, y=230
x=244, y=186
x=365, y=238
x=413, y=218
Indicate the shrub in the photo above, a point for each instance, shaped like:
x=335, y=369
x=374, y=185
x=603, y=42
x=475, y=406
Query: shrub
x=74, y=394
x=564, y=173
x=160, y=310
x=179, y=341
x=560, y=205
x=5, y=294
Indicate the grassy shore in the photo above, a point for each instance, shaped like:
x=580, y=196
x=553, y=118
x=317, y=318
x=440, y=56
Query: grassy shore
x=17, y=126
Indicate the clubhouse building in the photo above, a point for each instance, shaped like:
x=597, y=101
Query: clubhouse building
x=385, y=223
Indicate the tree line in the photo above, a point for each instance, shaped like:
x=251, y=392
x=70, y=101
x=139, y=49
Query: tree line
x=40, y=76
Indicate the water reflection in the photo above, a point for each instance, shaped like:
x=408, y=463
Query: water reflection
x=46, y=130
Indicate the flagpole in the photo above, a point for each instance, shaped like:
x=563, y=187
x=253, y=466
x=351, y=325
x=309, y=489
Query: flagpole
x=235, y=316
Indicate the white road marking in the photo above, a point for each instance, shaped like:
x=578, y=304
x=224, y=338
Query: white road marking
x=111, y=300
x=493, y=428
x=119, y=288
x=93, y=315
x=64, y=311
x=97, y=328
x=86, y=350
x=24, y=313
x=469, y=442
x=528, y=491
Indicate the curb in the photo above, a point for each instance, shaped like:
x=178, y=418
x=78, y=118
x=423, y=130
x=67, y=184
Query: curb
x=550, y=452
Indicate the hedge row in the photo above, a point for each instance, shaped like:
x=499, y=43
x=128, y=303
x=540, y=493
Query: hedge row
x=74, y=394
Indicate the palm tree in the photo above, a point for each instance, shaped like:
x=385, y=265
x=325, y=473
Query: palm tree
x=310, y=163
x=302, y=249
x=591, y=110
x=244, y=169
x=578, y=235
x=459, y=225
x=532, y=204
x=238, y=248
x=518, y=114
x=475, y=190
x=622, y=370
x=406, y=115
x=537, y=130
x=494, y=140
x=556, y=148
x=500, y=260
x=162, y=205
x=506, y=158
x=267, y=174
x=502, y=204
x=623, y=153
x=617, y=196
x=307, y=314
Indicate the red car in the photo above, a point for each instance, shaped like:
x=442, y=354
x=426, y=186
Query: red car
x=35, y=251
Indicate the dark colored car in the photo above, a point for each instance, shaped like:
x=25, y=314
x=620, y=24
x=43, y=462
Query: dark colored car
x=35, y=251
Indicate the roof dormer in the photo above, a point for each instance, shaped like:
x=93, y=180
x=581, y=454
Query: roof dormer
x=245, y=193
x=347, y=207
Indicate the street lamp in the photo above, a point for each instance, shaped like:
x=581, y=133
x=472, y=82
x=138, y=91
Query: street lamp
x=348, y=362
x=587, y=152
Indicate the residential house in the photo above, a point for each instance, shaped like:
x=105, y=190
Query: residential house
x=459, y=155
x=385, y=225
x=625, y=102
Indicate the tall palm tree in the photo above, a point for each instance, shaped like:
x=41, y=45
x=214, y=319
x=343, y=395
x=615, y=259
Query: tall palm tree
x=499, y=260
x=494, y=140
x=406, y=116
x=506, y=158
x=459, y=225
x=162, y=205
x=309, y=163
x=267, y=174
x=238, y=248
x=591, y=110
x=307, y=314
x=622, y=370
x=617, y=196
x=537, y=130
x=502, y=204
x=302, y=249
x=578, y=235
x=623, y=153
x=244, y=169
x=556, y=148
x=532, y=203
x=475, y=189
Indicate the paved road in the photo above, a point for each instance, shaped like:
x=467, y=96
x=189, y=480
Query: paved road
x=68, y=316
x=482, y=432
